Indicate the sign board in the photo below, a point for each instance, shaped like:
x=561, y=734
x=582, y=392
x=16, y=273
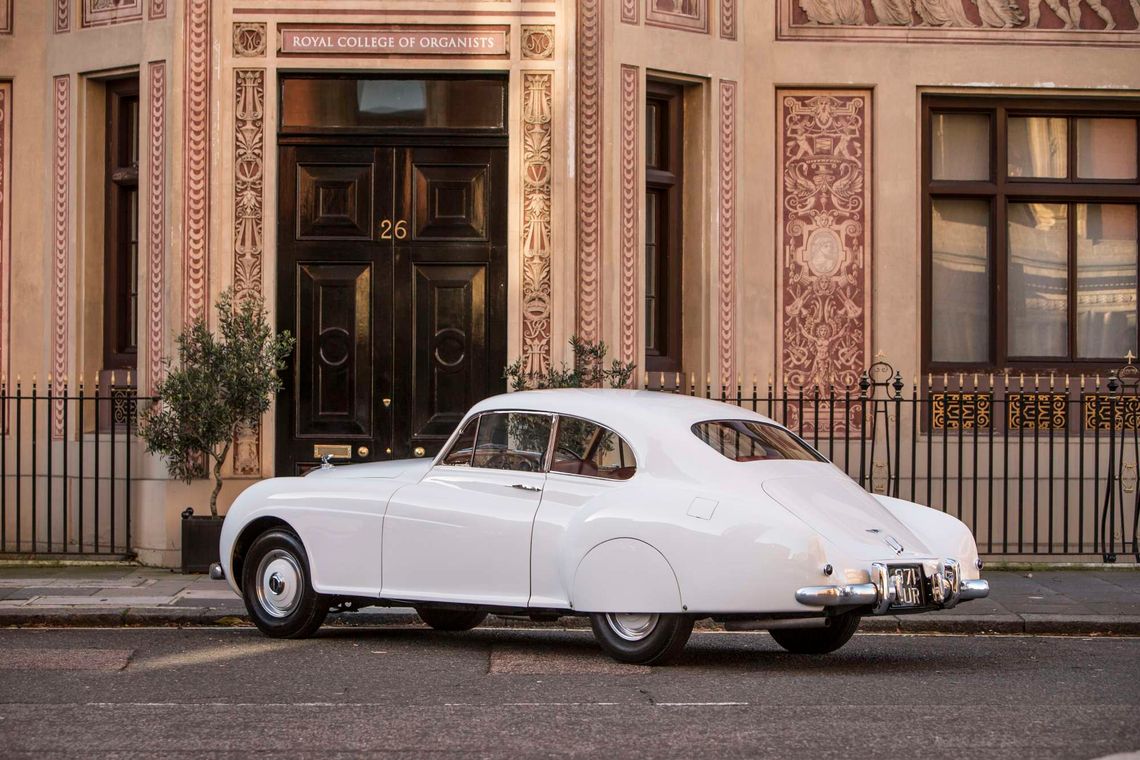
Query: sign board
x=395, y=40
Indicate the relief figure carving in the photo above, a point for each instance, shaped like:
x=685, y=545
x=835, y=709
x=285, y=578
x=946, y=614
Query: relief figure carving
x=846, y=12
x=1002, y=14
x=942, y=12
x=893, y=12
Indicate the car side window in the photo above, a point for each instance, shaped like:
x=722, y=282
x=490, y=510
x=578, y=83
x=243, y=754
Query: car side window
x=460, y=453
x=585, y=448
x=512, y=441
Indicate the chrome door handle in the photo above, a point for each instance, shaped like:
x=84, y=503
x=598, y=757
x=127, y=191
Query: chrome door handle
x=521, y=487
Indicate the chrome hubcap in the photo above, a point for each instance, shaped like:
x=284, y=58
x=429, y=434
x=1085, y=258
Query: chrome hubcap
x=632, y=626
x=279, y=579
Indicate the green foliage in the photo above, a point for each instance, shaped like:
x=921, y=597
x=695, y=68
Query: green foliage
x=222, y=382
x=589, y=370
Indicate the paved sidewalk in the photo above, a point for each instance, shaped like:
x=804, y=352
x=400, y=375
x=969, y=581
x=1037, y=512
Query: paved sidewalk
x=1075, y=602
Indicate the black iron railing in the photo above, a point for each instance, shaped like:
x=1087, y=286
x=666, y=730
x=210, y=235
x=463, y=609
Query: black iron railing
x=68, y=466
x=1035, y=465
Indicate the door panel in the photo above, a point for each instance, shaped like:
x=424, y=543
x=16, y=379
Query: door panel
x=461, y=535
x=450, y=201
x=334, y=346
x=449, y=345
x=334, y=202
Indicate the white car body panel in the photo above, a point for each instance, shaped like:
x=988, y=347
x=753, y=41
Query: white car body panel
x=691, y=531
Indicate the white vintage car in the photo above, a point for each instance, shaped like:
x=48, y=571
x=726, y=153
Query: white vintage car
x=643, y=510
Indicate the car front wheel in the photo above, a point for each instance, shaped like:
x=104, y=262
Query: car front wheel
x=277, y=590
x=641, y=638
x=818, y=640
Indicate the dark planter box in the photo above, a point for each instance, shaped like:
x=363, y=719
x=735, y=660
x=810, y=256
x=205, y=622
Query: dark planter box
x=200, y=543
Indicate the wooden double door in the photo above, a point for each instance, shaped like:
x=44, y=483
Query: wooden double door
x=392, y=277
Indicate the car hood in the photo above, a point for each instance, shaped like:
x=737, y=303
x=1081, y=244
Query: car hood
x=408, y=469
x=843, y=513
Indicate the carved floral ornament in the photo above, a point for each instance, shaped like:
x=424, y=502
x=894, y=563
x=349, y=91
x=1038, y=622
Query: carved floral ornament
x=1045, y=15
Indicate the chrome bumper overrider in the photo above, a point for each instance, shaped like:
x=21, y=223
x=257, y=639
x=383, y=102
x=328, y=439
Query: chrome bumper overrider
x=216, y=572
x=946, y=586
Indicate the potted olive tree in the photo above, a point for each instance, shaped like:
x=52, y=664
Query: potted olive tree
x=221, y=383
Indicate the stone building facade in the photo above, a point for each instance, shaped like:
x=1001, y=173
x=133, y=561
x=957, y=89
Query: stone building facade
x=425, y=190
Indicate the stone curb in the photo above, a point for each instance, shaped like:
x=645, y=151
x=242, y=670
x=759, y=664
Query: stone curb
x=120, y=617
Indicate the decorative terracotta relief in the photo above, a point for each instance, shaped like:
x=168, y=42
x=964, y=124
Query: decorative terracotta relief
x=61, y=235
x=824, y=237
x=537, y=132
x=537, y=42
x=589, y=156
x=726, y=264
x=156, y=222
x=249, y=40
x=5, y=16
x=687, y=15
x=106, y=12
x=5, y=216
x=196, y=163
x=249, y=222
x=630, y=11
x=728, y=19
x=62, y=16
x=157, y=9
x=1033, y=21
x=630, y=208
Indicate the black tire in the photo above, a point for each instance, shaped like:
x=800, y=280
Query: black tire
x=285, y=607
x=655, y=639
x=818, y=640
x=451, y=620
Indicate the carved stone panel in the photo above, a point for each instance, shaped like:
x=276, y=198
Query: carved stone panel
x=537, y=133
x=590, y=156
x=106, y=12
x=1028, y=21
x=5, y=16
x=249, y=40
x=537, y=42
x=824, y=237
x=156, y=222
x=196, y=162
x=687, y=15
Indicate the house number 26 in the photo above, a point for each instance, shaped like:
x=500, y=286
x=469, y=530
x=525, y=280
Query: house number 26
x=390, y=229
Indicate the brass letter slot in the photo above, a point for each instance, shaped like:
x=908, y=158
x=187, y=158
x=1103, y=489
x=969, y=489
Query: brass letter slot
x=334, y=450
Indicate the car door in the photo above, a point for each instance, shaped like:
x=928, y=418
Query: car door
x=463, y=533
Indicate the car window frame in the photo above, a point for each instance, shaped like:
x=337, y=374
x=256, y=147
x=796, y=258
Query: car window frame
x=446, y=449
x=621, y=438
x=819, y=457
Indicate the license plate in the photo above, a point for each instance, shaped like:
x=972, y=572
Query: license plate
x=908, y=582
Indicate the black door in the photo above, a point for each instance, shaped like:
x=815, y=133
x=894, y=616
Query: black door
x=392, y=275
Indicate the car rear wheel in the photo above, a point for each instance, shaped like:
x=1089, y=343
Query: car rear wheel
x=276, y=587
x=641, y=638
x=451, y=620
x=818, y=640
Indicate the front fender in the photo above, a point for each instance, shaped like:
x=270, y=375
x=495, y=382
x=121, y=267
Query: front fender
x=625, y=575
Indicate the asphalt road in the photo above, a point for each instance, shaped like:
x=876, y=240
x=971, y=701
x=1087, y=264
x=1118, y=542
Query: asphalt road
x=519, y=693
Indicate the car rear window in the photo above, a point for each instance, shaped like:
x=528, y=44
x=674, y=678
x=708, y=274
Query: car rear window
x=750, y=441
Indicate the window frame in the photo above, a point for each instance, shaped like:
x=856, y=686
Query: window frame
x=621, y=441
x=121, y=179
x=999, y=191
x=548, y=457
x=668, y=180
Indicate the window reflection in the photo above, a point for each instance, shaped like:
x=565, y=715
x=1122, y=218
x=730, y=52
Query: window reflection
x=376, y=103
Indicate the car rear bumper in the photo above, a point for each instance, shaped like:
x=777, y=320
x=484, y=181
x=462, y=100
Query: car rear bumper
x=946, y=590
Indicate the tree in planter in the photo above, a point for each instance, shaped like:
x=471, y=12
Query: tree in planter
x=589, y=371
x=221, y=383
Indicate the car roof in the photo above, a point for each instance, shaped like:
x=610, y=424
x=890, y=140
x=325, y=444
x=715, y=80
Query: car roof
x=627, y=411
